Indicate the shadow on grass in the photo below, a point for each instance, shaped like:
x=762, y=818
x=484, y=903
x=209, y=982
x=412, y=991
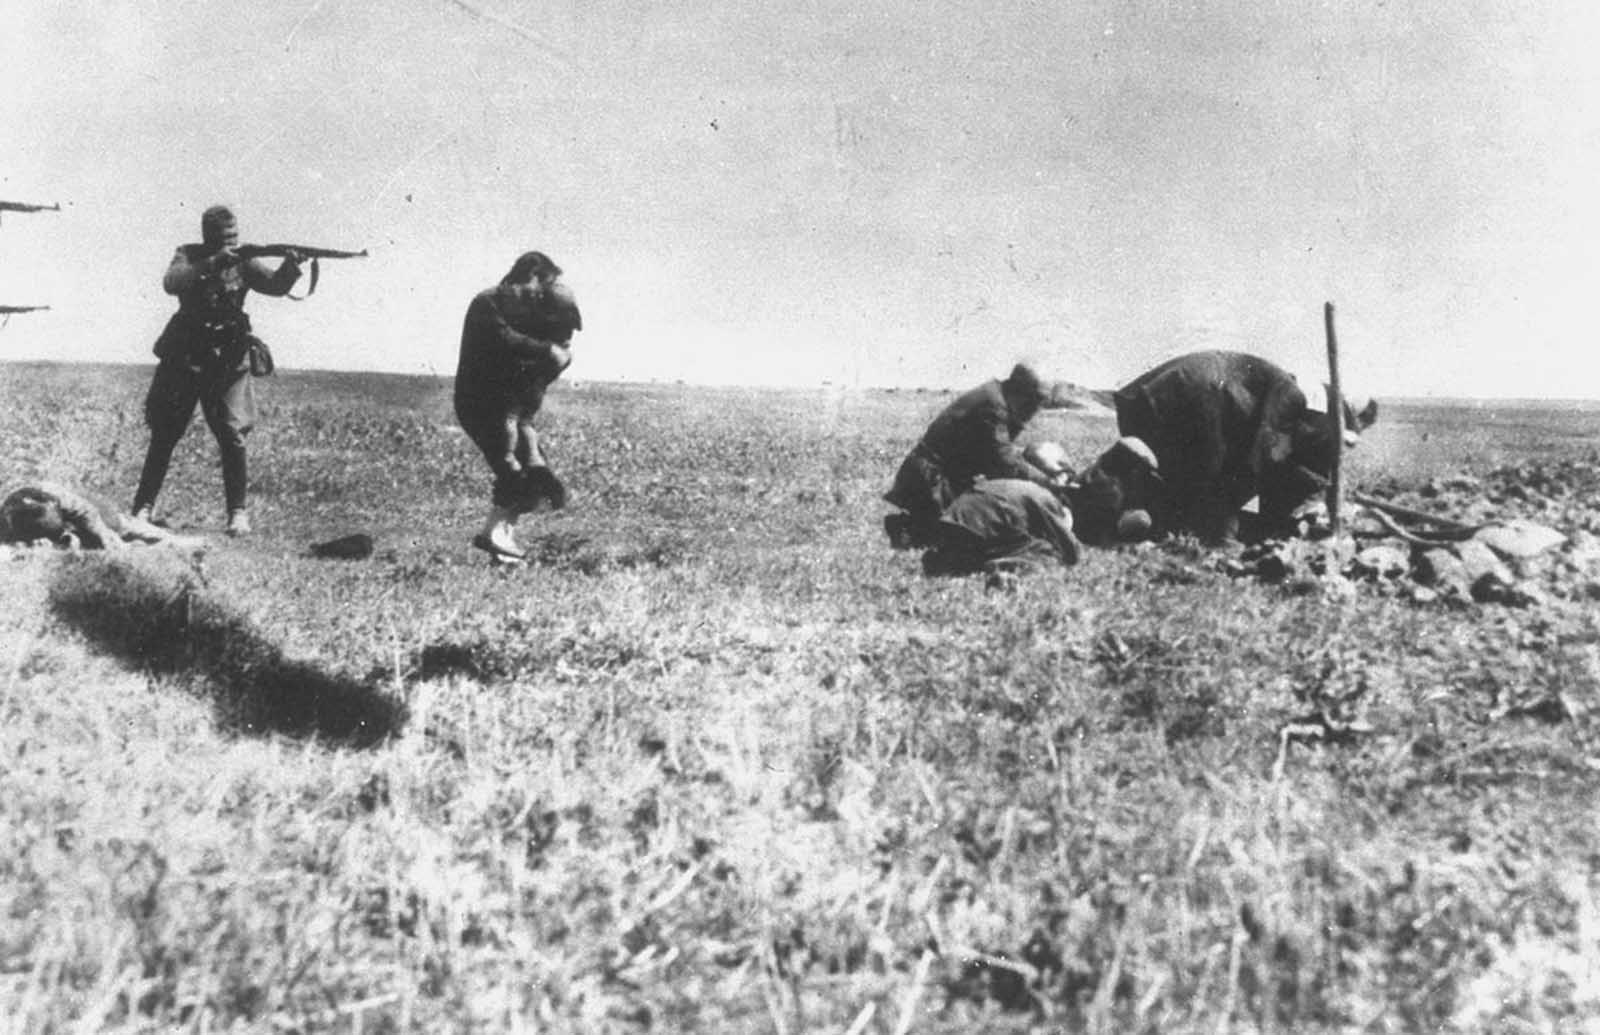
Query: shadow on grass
x=589, y=555
x=163, y=623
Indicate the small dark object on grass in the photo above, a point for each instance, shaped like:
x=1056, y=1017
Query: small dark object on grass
x=354, y=547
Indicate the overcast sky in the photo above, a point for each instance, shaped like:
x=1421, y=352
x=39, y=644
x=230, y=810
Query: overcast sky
x=799, y=191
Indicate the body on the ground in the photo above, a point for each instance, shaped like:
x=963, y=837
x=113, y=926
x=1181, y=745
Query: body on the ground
x=43, y=511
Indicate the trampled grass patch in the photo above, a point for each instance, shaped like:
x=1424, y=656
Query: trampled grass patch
x=721, y=761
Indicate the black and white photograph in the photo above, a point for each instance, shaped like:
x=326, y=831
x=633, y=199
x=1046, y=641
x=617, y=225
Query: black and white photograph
x=799, y=518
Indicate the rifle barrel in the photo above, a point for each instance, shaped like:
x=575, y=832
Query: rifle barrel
x=272, y=251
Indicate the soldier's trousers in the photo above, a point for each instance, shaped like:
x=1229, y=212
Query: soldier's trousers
x=226, y=398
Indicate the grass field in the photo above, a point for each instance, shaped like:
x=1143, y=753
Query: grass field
x=721, y=761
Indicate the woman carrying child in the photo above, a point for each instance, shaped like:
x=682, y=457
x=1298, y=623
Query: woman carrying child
x=515, y=342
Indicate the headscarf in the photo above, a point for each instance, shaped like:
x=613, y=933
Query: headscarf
x=531, y=266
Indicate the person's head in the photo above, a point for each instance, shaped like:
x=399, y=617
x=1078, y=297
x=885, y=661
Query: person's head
x=1024, y=392
x=532, y=268
x=1130, y=456
x=27, y=515
x=218, y=227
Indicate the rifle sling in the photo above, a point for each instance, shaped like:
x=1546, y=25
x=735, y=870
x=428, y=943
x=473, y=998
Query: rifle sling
x=316, y=271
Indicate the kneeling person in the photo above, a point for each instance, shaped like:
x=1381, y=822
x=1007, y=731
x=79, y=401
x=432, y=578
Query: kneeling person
x=974, y=437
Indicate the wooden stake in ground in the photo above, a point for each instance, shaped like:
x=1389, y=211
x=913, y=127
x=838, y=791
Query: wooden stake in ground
x=1336, y=428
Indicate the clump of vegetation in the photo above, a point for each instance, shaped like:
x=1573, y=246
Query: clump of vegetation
x=720, y=760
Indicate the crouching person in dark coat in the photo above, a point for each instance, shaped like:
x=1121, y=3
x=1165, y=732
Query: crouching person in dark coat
x=1001, y=525
x=1227, y=427
x=974, y=437
x=515, y=342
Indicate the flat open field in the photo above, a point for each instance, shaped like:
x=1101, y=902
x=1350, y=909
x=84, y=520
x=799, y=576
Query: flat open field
x=721, y=761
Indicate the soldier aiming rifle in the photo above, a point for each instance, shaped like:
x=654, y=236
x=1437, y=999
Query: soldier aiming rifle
x=208, y=354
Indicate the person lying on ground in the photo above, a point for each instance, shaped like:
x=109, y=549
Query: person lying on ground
x=66, y=517
x=973, y=437
x=1001, y=524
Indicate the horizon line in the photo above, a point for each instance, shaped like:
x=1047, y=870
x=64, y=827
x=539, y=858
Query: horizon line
x=1402, y=400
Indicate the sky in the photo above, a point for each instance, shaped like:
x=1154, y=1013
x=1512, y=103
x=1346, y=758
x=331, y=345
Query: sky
x=800, y=192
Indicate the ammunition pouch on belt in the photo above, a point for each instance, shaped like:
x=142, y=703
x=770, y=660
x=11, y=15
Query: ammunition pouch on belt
x=261, y=364
x=220, y=340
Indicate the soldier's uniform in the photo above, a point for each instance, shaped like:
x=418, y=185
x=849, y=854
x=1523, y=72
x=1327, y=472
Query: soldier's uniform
x=203, y=356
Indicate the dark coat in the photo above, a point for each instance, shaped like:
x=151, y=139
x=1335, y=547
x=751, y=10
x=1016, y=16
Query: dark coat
x=975, y=436
x=508, y=359
x=1114, y=486
x=507, y=348
x=1003, y=523
x=1226, y=427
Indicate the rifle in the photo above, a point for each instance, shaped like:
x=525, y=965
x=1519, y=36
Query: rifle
x=23, y=206
x=7, y=310
x=278, y=251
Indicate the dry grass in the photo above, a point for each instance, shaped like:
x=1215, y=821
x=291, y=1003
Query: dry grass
x=722, y=762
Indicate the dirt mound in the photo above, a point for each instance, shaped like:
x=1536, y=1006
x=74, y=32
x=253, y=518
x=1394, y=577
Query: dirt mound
x=1064, y=395
x=1524, y=535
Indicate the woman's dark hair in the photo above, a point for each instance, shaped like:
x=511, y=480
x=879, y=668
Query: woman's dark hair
x=531, y=266
x=27, y=515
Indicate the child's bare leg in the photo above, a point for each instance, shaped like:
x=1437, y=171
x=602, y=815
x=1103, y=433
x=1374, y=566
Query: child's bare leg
x=512, y=442
x=528, y=445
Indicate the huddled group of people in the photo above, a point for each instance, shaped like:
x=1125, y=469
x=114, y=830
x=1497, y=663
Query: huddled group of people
x=1201, y=435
